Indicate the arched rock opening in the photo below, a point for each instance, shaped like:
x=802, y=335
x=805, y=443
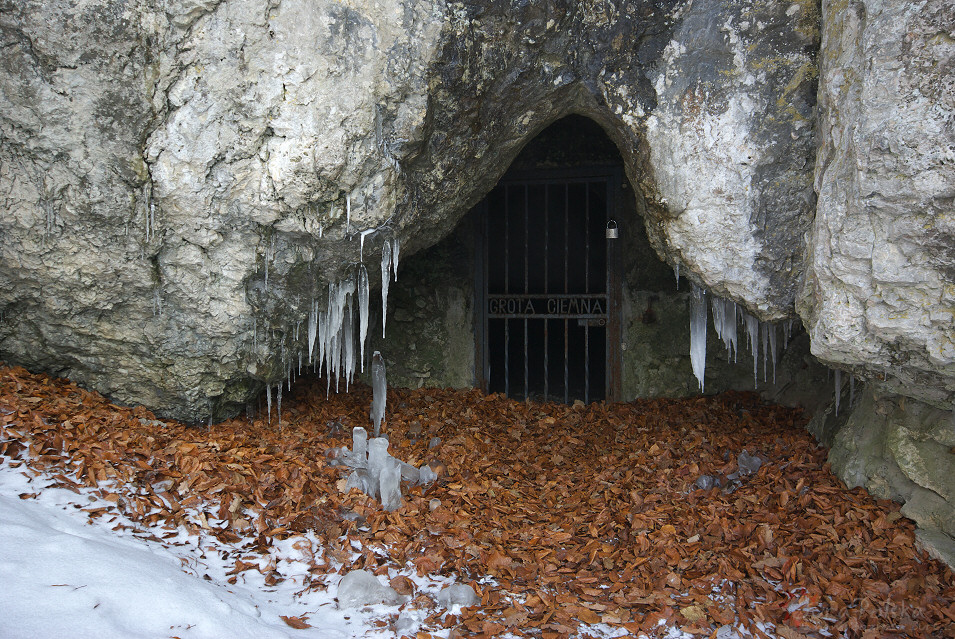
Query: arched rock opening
x=473, y=308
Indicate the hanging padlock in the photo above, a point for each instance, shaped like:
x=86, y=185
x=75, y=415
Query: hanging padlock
x=612, y=231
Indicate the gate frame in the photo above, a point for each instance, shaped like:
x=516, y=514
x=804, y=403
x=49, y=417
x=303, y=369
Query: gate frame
x=612, y=356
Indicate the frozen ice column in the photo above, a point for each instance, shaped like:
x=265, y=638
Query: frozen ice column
x=379, y=391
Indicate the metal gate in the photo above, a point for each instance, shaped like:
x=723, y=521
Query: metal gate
x=549, y=295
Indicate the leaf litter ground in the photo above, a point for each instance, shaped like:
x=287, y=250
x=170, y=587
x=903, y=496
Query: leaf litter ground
x=569, y=521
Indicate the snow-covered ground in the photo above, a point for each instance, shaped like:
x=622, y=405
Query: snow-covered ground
x=64, y=575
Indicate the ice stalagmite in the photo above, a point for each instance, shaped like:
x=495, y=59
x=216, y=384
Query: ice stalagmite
x=385, y=277
x=698, y=332
x=359, y=447
x=379, y=391
x=362, y=310
x=389, y=485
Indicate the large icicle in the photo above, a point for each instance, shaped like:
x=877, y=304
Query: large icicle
x=772, y=348
x=348, y=344
x=751, y=324
x=362, y=311
x=379, y=391
x=385, y=276
x=395, y=249
x=312, y=330
x=698, y=332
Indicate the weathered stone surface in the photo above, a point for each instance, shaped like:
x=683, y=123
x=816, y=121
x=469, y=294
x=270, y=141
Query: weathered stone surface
x=730, y=141
x=900, y=449
x=880, y=287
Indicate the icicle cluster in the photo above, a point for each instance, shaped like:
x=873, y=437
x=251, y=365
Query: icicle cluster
x=330, y=338
x=724, y=322
x=726, y=319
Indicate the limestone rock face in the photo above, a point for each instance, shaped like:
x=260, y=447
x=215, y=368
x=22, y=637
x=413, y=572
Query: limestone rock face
x=183, y=181
x=730, y=141
x=899, y=449
x=880, y=286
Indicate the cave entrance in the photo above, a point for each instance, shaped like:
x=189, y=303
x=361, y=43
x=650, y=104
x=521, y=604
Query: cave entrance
x=548, y=285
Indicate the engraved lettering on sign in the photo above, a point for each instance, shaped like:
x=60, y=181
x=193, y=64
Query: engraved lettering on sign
x=564, y=306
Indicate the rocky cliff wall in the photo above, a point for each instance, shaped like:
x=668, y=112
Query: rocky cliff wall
x=184, y=181
x=880, y=285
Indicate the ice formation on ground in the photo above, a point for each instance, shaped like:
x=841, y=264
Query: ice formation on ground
x=375, y=472
x=362, y=588
x=458, y=595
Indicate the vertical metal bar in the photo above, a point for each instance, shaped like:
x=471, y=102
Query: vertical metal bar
x=566, y=253
x=479, y=230
x=587, y=290
x=507, y=277
x=546, y=251
x=526, y=284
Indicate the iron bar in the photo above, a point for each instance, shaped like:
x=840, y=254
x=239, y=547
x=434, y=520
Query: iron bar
x=546, y=253
x=526, y=291
x=566, y=253
x=507, y=277
x=587, y=290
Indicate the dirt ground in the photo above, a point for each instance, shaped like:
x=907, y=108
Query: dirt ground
x=580, y=515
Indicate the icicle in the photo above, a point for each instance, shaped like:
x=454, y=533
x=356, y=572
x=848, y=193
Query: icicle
x=361, y=245
x=385, y=276
x=362, y=310
x=772, y=348
x=724, y=321
x=395, y=248
x=268, y=400
x=299, y=363
x=764, y=332
x=676, y=271
x=838, y=389
x=698, y=332
x=348, y=213
x=751, y=324
x=279, y=401
x=348, y=345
